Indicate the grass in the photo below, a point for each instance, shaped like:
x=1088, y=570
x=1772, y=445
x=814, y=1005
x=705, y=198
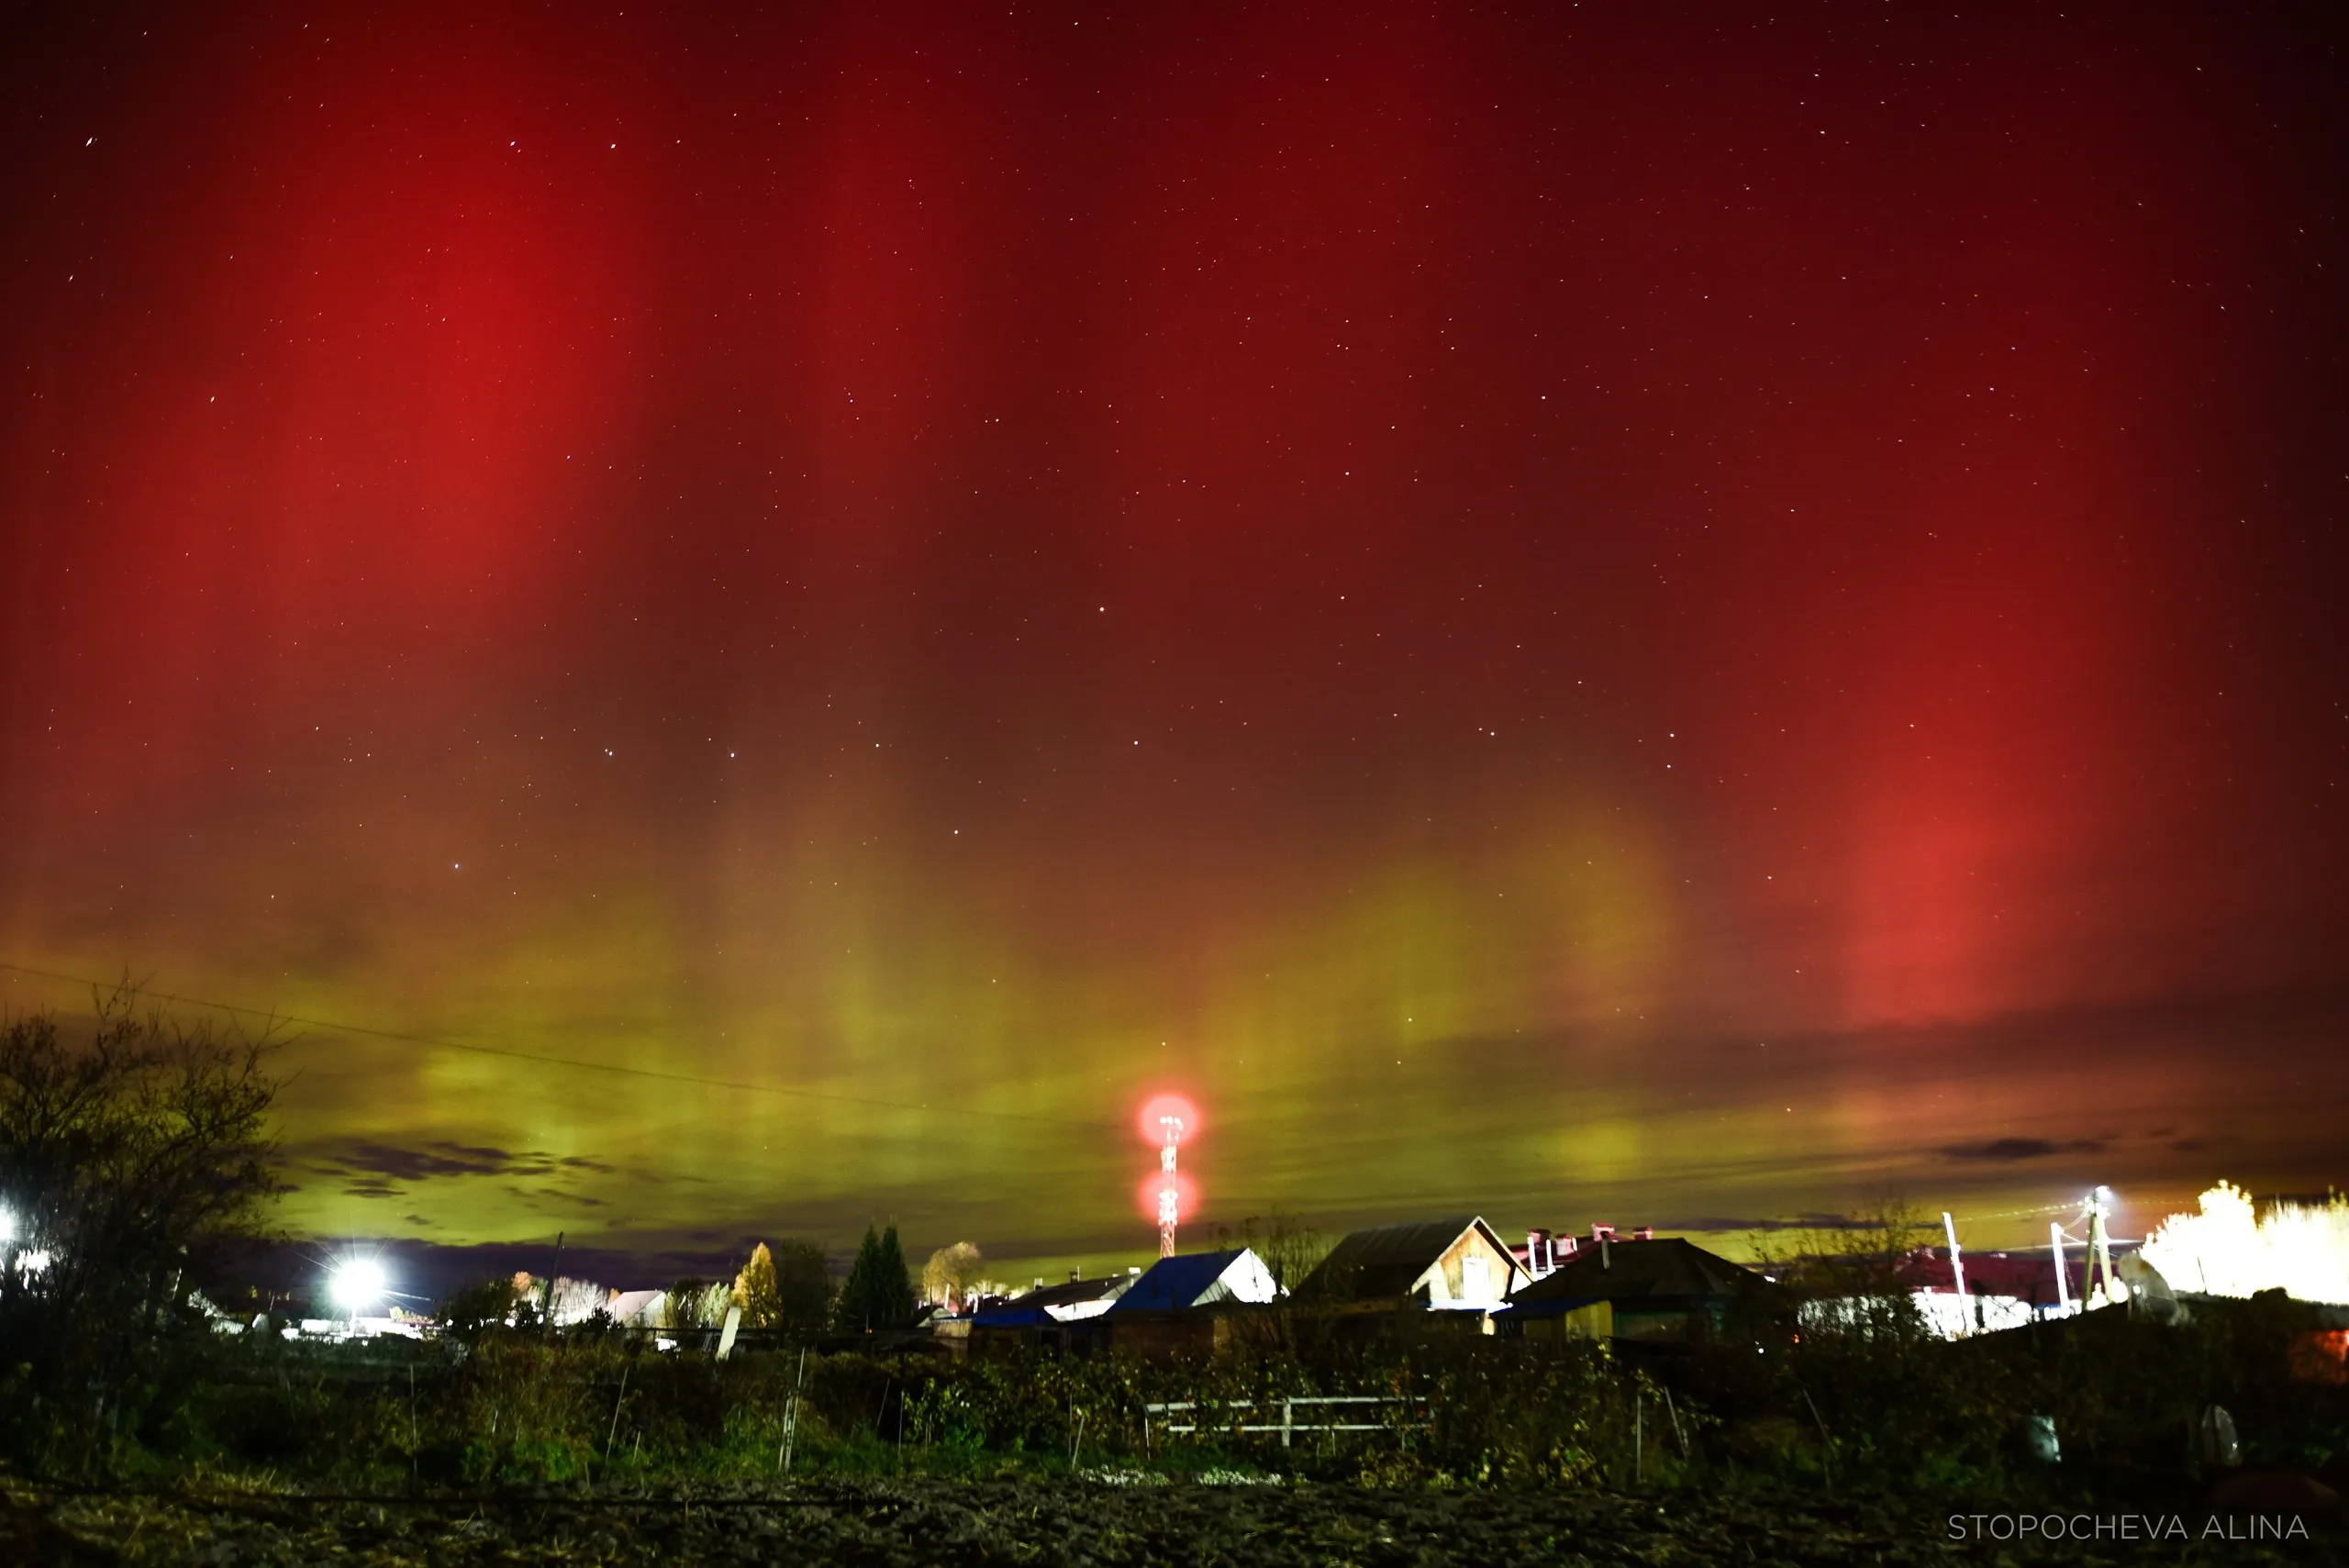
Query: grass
x=1891, y=1412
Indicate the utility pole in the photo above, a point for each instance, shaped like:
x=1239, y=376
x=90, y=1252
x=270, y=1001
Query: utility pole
x=546, y=1329
x=1957, y=1268
x=2101, y=1277
x=2062, y=1274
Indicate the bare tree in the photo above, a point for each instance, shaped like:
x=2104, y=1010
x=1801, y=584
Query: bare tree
x=127, y=1159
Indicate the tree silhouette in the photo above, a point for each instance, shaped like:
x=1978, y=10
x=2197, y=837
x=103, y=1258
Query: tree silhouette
x=128, y=1159
x=877, y=1295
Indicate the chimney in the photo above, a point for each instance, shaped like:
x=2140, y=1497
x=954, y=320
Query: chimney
x=1562, y=1246
x=1537, y=1252
x=1645, y=1233
x=1602, y=1233
x=1074, y=1275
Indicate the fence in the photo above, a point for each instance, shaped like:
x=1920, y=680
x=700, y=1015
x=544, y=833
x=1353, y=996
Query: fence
x=1287, y=1426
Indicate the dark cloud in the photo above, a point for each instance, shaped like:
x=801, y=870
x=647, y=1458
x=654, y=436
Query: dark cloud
x=2187, y=1146
x=385, y=1162
x=2005, y=1150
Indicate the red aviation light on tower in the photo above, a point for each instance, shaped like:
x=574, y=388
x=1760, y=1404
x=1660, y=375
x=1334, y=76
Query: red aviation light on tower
x=1166, y=1120
x=1150, y=1122
x=1151, y=1189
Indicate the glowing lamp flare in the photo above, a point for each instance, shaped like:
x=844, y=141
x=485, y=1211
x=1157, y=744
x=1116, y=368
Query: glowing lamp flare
x=357, y=1283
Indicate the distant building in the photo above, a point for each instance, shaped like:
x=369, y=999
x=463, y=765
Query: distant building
x=1455, y=1265
x=1198, y=1279
x=639, y=1308
x=1649, y=1288
x=1041, y=1317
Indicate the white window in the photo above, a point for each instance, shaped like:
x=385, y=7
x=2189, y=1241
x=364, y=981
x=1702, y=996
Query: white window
x=1475, y=1287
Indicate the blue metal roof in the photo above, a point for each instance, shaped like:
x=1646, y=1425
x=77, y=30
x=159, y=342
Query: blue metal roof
x=1173, y=1283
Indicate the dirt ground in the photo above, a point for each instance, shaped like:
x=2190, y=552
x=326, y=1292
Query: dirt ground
x=921, y=1522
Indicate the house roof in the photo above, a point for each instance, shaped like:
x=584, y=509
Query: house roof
x=1387, y=1260
x=1667, y=1268
x=1032, y=1308
x=2016, y=1274
x=1073, y=1291
x=1017, y=1314
x=1171, y=1283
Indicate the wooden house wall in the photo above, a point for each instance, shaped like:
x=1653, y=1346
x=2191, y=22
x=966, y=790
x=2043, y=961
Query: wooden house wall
x=1499, y=1268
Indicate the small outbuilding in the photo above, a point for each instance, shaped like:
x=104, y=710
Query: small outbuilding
x=1455, y=1265
x=1659, y=1289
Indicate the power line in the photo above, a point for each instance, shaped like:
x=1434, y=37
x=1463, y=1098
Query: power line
x=546, y=1059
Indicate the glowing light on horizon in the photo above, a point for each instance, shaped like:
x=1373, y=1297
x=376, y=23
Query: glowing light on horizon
x=2228, y=1247
x=357, y=1283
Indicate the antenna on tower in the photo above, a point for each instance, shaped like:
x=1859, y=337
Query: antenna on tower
x=1168, y=1197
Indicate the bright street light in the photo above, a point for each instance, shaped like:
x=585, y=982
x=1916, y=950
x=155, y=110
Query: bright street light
x=357, y=1283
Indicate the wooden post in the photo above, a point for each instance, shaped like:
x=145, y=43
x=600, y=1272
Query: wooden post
x=1826, y=1443
x=791, y=1416
x=548, y=1327
x=1639, y=1447
x=613, y=1435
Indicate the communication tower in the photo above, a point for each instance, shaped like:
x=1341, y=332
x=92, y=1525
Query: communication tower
x=1168, y=1196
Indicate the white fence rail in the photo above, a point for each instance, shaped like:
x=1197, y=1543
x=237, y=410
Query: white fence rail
x=1287, y=1426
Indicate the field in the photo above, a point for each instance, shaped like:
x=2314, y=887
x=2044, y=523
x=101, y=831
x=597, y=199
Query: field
x=928, y=1520
x=1763, y=1447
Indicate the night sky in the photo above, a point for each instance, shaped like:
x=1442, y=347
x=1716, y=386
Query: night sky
x=1658, y=615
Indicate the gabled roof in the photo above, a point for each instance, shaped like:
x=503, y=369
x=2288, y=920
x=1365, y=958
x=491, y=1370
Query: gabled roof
x=1073, y=1291
x=1035, y=1307
x=1186, y=1280
x=1667, y=1268
x=1015, y=1314
x=1387, y=1260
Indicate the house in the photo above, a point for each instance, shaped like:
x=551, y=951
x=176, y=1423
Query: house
x=1194, y=1304
x=2003, y=1290
x=1198, y=1279
x=1455, y=1264
x=1651, y=1288
x=639, y=1308
x=1041, y=1316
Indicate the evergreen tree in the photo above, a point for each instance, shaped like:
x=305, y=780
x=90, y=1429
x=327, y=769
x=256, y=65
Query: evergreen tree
x=755, y=1292
x=896, y=1282
x=802, y=1284
x=877, y=1295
